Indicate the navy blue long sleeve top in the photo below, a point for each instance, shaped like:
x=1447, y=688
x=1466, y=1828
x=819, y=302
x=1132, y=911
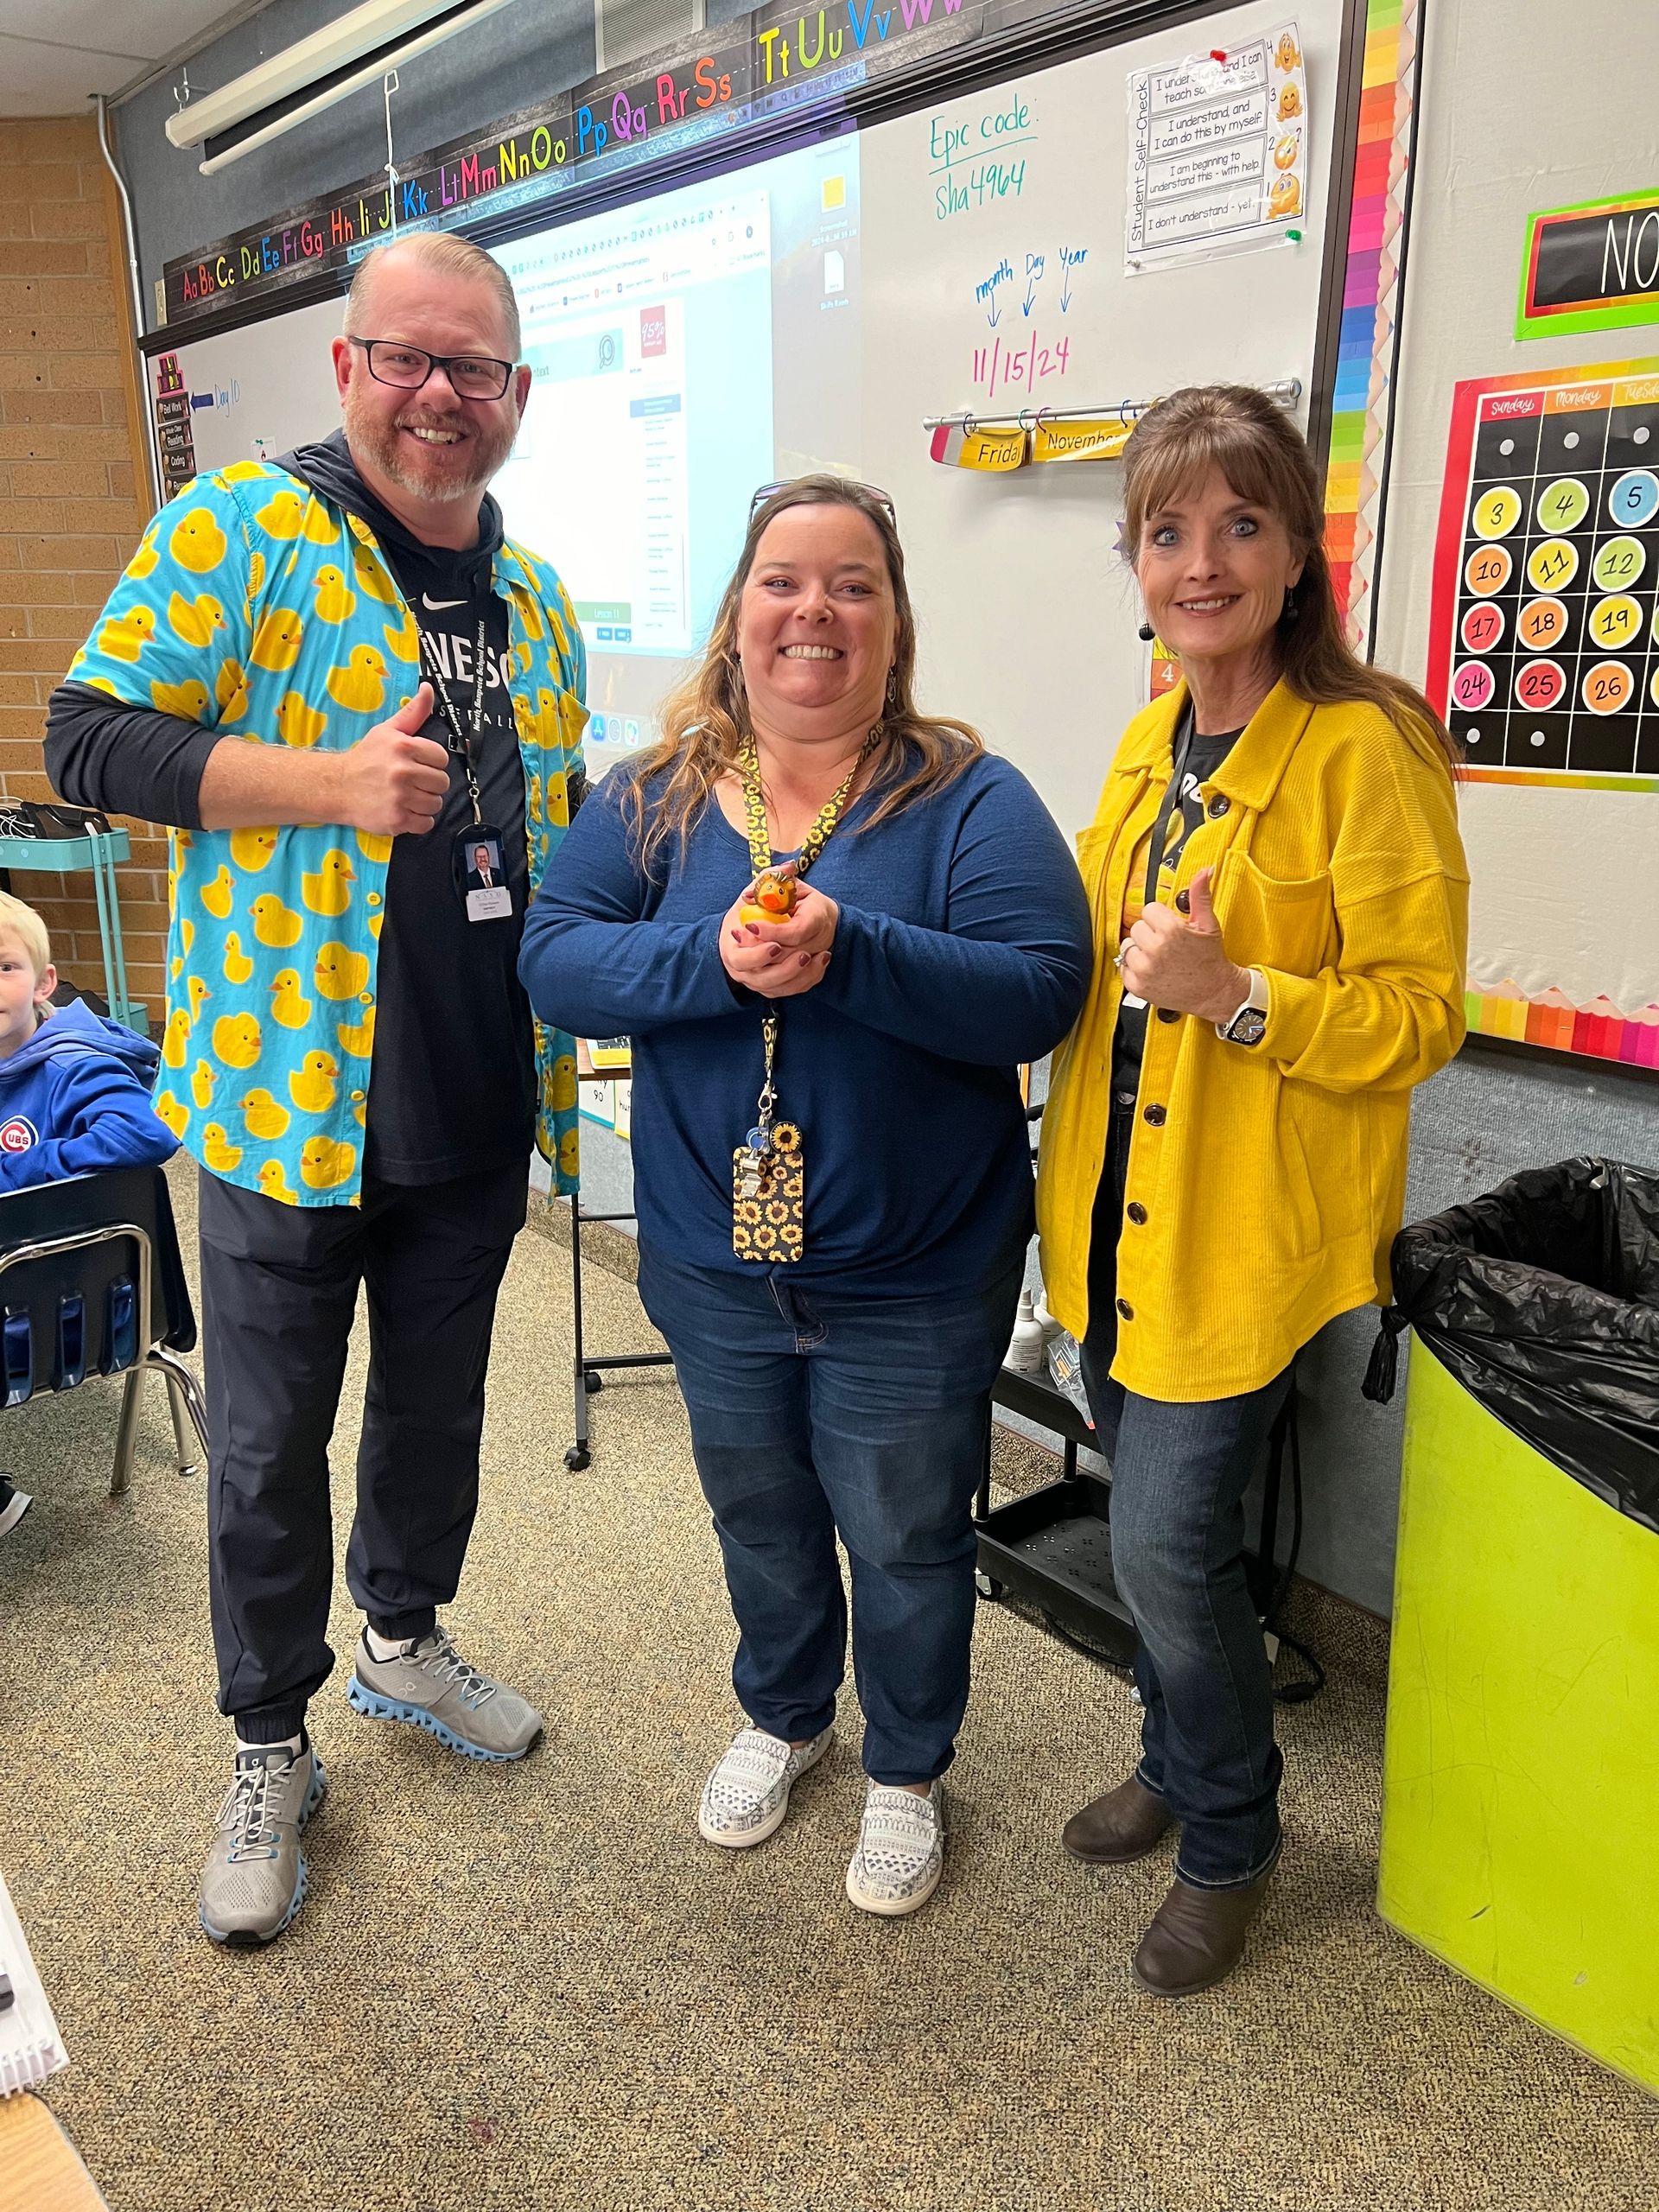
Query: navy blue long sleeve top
x=964, y=948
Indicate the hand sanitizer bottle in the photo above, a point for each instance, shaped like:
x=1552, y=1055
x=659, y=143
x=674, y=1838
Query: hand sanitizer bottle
x=1025, y=1352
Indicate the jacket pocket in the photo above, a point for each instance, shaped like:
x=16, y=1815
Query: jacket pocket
x=1326, y=1190
x=1268, y=922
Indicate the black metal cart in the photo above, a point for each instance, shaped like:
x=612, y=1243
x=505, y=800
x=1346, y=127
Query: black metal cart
x=1053, y=1546
x=591, y=1367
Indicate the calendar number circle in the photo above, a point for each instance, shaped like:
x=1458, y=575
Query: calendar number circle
x=1608, y=687
x=1615, y=622
x=1540, y=684
x=1496, y=511
x=1618, y=563
x=1552, y=565
x=1473, y=685
x=1542, y=623
x=1563, y=505
x=1487, y=568
x=1634, y=498
x=1481, y=628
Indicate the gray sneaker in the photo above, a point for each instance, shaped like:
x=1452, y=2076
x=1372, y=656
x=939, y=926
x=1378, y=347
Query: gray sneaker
x=254, y=1881
x=430, y=1684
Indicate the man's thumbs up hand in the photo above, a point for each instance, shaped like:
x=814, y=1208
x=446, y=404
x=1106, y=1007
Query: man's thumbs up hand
x=393, y=781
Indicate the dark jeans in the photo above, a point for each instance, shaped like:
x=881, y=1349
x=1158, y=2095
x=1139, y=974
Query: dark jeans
x=279, y=1287
x=815, y=1411
x=1180, y=1473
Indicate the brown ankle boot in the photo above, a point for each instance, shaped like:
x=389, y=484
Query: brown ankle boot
x=1120, y=1826
x=1197, y=1938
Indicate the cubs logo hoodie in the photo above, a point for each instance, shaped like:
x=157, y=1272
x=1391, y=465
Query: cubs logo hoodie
x=75, y=1100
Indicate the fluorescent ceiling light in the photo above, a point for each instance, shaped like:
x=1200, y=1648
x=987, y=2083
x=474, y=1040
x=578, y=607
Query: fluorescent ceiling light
x=366, y=30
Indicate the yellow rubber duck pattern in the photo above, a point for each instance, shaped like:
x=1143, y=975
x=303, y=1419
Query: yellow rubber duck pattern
x=254, y=607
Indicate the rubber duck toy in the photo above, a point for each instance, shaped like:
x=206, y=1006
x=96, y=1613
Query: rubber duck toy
x=770, y=898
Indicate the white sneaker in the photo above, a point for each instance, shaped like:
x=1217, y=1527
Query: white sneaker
x=745, y=1799
x=13, y=1504
x=901, y=1854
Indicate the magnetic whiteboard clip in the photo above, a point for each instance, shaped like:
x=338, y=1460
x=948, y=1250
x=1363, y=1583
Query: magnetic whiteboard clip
x=968, y=426
x=1021, y=423
x=1218, y=54
x=1042, y=415
x=1293, y=238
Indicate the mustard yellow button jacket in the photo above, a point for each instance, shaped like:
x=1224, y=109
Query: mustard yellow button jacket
x=1273, y=1177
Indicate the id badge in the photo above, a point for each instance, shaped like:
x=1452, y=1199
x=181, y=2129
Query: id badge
x=769, y=1196
x=482, y=876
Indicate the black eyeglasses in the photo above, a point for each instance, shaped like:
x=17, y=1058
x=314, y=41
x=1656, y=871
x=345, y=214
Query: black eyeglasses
x=883, y=499
x=472, y=375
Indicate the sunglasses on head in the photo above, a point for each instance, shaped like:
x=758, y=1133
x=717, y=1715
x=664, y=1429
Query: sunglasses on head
x=883, y=499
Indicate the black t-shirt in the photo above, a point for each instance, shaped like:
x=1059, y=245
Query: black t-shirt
x=1180, y=815
x=453, y=1085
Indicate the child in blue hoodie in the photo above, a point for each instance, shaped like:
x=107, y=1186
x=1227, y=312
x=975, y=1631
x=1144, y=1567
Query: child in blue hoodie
x=74, y=1088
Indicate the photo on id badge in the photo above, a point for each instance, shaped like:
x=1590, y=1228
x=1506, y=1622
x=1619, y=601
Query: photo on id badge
x=481, y=875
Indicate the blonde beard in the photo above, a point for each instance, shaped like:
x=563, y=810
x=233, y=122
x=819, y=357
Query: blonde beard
x=365, y=436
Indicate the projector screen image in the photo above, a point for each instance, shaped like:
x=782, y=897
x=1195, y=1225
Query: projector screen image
x=654, y=417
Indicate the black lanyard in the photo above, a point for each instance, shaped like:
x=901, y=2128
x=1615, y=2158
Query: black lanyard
x=462, y=741
x=1171, y=800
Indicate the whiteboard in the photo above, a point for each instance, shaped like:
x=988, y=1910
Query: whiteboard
x=258, y=391
x=1025, y=613
x=1027, y=616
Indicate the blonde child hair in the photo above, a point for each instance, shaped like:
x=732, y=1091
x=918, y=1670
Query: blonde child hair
x=26, y=926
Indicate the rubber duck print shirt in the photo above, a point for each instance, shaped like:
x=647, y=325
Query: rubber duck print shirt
x=257, y=609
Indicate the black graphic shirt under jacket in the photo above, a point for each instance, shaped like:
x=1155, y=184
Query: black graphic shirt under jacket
x=1204, y=756
x=451, y=1086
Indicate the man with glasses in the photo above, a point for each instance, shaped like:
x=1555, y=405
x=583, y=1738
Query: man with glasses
x=337, y=677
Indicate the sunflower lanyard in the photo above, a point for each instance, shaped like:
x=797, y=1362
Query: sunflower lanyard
x=768, y=1169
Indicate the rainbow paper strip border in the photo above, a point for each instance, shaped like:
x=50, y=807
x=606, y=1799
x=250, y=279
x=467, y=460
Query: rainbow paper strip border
x=1597, y=1031
x=1367, y=333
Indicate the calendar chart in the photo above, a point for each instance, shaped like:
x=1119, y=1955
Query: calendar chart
x=1544, y=638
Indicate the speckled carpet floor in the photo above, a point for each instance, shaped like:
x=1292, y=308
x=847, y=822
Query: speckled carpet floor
x=534, y=1987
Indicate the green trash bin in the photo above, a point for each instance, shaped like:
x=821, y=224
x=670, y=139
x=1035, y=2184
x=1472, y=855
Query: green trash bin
x=1521, y=1774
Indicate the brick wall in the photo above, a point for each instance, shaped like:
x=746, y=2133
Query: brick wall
x=74, y=494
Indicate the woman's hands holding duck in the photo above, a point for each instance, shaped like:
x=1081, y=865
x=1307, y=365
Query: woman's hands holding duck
x=780, y=960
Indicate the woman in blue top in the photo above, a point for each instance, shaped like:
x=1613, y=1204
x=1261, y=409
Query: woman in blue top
x=834, y=1265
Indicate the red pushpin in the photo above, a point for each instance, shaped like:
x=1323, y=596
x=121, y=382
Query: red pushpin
x=1218, y=54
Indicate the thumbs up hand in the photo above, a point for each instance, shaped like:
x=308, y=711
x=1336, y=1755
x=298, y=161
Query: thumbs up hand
x=1180, y=963
x=393, y=781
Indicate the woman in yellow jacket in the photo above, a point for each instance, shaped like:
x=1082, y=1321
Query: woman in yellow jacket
x=1280, y=903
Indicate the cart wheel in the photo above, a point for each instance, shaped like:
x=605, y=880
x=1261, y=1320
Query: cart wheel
x=989, y=1590
x=576, y=1458
x=593, y=1382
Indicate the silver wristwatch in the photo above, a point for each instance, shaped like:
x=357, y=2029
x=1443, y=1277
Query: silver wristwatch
x=1249, y=1025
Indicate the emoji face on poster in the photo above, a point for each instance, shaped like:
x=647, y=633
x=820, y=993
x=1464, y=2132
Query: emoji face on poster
x=1285, y=199
x=1287, y=55
x=1285, y=151
x=1290, y=104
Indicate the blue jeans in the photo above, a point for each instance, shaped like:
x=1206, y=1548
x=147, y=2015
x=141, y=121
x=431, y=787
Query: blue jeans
x=1180, y=1473
x=813, y=1413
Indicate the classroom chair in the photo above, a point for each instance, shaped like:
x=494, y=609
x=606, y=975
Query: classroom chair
x=92, y=1282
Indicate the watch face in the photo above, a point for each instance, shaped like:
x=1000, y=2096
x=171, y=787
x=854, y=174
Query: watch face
x=1248, y=1028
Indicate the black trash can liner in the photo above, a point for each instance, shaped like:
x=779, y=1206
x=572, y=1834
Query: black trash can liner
x=1543, y=1299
